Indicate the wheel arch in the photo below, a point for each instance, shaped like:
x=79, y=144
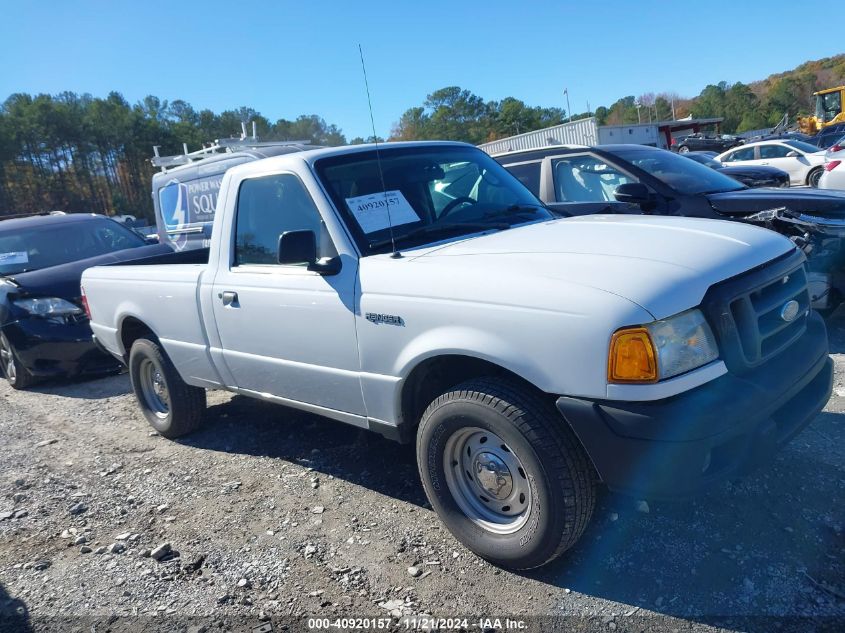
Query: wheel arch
x=819, y=169
x=433, y=375
x=130, y=329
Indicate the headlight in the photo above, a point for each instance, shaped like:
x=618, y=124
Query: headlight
x=661, y=349
x=48, y=307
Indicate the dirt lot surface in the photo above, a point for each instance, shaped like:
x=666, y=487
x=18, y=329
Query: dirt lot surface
x=268, y=516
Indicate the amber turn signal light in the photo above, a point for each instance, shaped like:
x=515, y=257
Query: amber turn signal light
x=632, y=357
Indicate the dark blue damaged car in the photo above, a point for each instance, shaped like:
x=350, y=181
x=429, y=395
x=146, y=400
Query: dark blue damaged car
x=44, y=329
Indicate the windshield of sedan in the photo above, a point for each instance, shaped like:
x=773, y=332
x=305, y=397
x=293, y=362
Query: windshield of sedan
x=807, y=148
x=681, y=174
x=426, y=194
x=33, y=248
x=704, y=160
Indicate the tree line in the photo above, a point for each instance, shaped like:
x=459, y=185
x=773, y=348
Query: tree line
x=80, y=153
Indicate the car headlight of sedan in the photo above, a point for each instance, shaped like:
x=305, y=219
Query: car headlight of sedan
x=661, y=349
x=48, y=307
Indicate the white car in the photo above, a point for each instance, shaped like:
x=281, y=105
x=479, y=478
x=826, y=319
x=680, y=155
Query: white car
x=834, y=171
x=803, y=162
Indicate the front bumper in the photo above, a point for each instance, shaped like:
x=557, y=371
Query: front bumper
x=722, y=429
x=49, y=348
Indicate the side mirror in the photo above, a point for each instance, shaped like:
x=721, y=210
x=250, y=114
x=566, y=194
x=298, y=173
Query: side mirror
x=297, y=247
x=632, y=193
x=793, y=154
x=300, y=247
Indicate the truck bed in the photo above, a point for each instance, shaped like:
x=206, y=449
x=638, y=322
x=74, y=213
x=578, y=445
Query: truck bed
x=165, y=297
x=194, y=256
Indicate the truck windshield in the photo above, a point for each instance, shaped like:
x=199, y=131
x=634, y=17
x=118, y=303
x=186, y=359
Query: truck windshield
x=53, y=244
x=425, y=193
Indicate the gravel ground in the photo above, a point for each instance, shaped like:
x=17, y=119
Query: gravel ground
x=268, y=516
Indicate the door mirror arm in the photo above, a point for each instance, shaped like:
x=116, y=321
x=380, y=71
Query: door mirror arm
x=326, y=266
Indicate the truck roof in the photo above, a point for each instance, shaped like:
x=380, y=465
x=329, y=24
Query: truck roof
x=312, y=155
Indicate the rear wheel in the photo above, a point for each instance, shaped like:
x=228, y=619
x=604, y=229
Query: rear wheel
x=16, y=374
x=173, y=407
x=814, y=176
x=505, y=473
x=683, y=149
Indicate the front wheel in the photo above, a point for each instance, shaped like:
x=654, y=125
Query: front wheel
x=16, y=374
x=814, y=176
x=173, y=407
x=505, y=473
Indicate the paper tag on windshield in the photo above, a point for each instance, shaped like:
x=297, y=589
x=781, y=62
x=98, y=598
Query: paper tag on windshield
x=371, y=211
x=14, y=258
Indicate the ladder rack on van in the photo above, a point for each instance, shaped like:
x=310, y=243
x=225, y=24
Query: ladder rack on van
x=219, y=146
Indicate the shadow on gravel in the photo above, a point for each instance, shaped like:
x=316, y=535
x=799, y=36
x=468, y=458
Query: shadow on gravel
x=836, y=331
x=14, y=616
x=86, y=388
x=769, y=547
x=252, y=427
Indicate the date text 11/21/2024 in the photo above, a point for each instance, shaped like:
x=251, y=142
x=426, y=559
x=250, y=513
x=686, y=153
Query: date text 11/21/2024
x=417, y=623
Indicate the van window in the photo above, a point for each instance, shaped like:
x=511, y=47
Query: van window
x=268, y=207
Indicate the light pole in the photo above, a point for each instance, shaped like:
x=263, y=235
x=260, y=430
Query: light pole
x=568, y=109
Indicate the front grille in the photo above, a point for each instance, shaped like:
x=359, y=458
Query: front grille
x=745, y=311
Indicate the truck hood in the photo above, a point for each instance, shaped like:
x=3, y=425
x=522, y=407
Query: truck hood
x=664, y=265
x=813, y=201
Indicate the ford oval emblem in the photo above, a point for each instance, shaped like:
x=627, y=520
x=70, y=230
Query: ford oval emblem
x=789, y=311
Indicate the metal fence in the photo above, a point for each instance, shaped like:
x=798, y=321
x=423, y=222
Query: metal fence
x=580, y=132
x=752, y=133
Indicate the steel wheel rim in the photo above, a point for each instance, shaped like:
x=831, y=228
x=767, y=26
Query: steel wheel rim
x=683, y=150
x=154, y=388
x=487, y=480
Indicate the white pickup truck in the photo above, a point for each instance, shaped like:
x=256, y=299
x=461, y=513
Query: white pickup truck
x=420, y=291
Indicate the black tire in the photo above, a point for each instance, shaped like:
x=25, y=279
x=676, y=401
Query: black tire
x=683, y=149
x=557, y=471
x=180, y=409
x=15, y=374
x=814, y=176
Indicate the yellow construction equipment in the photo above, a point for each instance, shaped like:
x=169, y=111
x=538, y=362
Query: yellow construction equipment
x=828, y=110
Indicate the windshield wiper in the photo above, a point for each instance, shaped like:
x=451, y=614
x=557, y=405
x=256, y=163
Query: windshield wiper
x=433, y=229
x=517, y=210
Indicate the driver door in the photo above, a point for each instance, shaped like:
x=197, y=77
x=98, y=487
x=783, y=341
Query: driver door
x=287, y=331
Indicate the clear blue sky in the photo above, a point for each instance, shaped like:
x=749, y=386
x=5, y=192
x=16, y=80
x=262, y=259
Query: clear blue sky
x=289, y=58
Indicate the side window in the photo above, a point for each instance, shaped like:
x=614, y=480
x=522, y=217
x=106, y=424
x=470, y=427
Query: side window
x=586, y=178
x=528, y=174
x=832, y=105
x=115, y=239
x=268, y=207
x=773, y=151
x=747, y=153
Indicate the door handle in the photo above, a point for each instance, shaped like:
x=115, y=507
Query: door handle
x=229, y=297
